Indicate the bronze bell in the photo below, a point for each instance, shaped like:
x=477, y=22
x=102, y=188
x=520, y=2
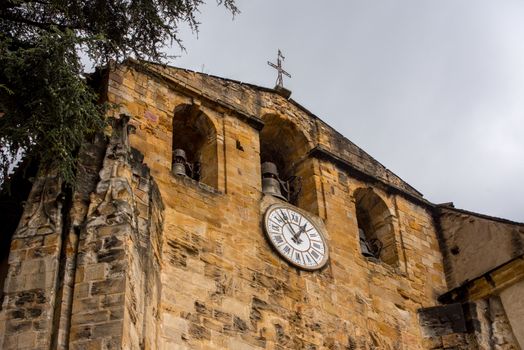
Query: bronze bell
x=364, y=246
x=271, y=184
x=179, y=162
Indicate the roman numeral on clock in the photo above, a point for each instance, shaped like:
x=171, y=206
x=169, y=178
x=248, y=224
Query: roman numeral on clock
x=308, y=258
x=278, y=239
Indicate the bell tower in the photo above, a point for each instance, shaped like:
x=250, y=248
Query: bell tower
x=222, y=215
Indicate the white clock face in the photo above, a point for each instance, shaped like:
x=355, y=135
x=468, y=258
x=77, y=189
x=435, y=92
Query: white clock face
x=295, y=237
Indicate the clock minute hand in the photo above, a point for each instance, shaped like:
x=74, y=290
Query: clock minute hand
x=292, y=229
x=295, y=235
x=283, y=218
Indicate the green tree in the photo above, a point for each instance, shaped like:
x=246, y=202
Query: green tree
x=47, y=107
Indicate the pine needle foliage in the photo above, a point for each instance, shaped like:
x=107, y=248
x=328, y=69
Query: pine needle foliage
x=47, y=108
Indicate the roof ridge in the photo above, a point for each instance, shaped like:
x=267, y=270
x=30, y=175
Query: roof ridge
x=482, y=216
x=209, y=75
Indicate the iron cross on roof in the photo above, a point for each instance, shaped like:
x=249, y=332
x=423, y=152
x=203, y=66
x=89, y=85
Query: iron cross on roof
x=278, y=67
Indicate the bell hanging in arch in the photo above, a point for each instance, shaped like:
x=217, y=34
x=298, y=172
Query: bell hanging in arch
x=271, y=184
x=364, y=245
x=179, y=162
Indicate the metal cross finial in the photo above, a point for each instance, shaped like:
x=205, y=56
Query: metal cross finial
x=278, y=67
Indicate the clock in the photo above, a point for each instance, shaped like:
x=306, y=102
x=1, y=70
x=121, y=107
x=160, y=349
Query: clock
x=295, y=237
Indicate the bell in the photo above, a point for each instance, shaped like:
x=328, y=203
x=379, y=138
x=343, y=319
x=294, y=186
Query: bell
x=179, y=169
x=364, y=247
x=270, y=180
x=269, y=169
x=272, y=186
x=180, y=154
x=179, y=162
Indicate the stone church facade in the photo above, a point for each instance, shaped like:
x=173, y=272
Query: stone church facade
x=157, y=249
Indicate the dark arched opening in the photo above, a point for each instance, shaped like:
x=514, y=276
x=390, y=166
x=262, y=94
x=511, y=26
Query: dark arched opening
x=195, y=134
x=282, y=144
x=375, y=225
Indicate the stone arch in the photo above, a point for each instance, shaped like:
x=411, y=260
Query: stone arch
x=195, y=133
x=283, y=143
x=375, y=219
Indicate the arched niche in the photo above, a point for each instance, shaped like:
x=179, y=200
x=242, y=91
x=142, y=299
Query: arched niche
x=283, y=143
x=195, y=133
x=376, y=221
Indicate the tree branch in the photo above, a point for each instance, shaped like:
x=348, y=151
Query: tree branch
x=42, y=25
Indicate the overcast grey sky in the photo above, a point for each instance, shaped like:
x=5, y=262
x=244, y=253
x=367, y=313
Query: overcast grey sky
x=434, y=90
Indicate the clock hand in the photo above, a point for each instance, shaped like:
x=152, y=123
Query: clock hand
x=296, y=235
x=284, y=217
x=296, y=238
x=302, y=230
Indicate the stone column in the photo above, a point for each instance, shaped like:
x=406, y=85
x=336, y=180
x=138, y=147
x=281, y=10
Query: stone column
x=30, y=289
x=90, y=158
x=110, y=301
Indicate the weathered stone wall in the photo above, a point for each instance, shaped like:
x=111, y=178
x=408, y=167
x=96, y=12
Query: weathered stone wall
x=494, y=331
x=444, y=327
x=116, y=289
x=90, y=159
x=513, y=302
x=480, y=324
x=221, y=284
x=473, y=245
x=84, y=266
x=483, y=263
x=26, y=318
